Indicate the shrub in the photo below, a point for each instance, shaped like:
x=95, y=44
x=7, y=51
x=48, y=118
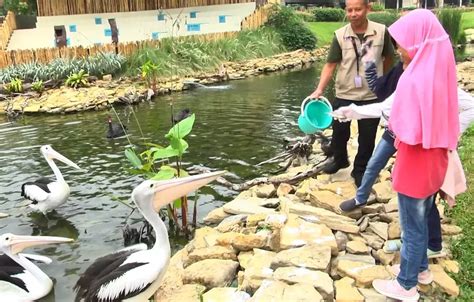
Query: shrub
x=383, y=17
x=377, y=7
x=329, y=14
x=38, y=86
x=77, y=79
x=450, y=18
x=293, y=32
x=306, y=16
x=16, y=85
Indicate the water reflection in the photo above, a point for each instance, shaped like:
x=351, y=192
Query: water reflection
x=52, y=224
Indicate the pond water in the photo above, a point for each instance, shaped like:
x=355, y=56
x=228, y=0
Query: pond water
x=235, y=129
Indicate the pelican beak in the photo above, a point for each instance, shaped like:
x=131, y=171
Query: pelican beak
x=56, y=155
x=19, y=243
x=167, y=191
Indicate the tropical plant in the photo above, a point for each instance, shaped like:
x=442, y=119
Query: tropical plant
x=450, y=18
x=156, y=163
x=38, y=86
x=149, y=72
x=79, y=79
x=15, y=86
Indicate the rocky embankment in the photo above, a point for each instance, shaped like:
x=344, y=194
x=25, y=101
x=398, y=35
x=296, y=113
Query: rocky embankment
x=292, y=243
x=103, y=93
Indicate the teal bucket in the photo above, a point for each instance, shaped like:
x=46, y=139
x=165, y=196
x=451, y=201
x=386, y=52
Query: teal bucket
x=316, y=115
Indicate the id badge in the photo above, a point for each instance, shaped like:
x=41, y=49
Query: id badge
x=358, y=81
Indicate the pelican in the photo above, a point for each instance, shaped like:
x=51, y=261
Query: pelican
x=20, y=279
x=135, y=273
x=45, y=194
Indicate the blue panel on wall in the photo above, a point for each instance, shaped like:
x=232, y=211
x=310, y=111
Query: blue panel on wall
x=194, y=27
x=192, y=15
x=221, y=19
x=98, y=21
x=68, y=42
x=161, y=17
x=154, y=36
x=73, y=28
x=108, y=32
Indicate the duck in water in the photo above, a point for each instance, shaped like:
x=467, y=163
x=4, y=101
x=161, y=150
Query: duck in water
x=115, y=129
x=181, y=116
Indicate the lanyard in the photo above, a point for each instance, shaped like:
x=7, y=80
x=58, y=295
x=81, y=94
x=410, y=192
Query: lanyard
x=356, y=52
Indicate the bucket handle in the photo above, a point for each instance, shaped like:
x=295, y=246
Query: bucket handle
x=323, y=99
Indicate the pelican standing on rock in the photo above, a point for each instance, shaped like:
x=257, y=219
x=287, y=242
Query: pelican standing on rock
x=45, y=194
x=135, y=273
x=20, y=279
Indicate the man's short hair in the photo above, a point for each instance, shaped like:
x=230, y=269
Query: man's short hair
x=366, y=2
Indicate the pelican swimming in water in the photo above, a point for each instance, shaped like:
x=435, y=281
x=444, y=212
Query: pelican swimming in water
x=46, y=194
x=20, y=279
x=135, y=273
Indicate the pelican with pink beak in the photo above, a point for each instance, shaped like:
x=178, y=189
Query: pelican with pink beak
x=135, y=273
x=21, y=279
x=45, y=194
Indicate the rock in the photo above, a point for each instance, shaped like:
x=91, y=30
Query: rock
x=346, y=190
x=343, y=175
x=253, y=220
x=357, y=247
x=389, y=217
x=307, y=186
x=373, y=240
x=334, y=221
x=214, y=252
x=188, y=292
x=201, y=237
x=371, y=295
x=258, y=269
x=379, y=228
x=449, y=266
x=341, y=240
x=319, y=280
x=277, y=291
x=264, y=190
x=326, y=200
x=383, y=191
x=384, y=258
x=446, y=283
x=362, y=272
x=284, y=189
x=107, y=77
x=391, y=206
x=244, y=258
x=357, y=258
x=211, y=273
x=215, y=216
x=232, y=223
x=225, y=294
x=394, y=230
x=276, y=221
x=173, y=279
x=310, y=256
x=373, y=208
x=363, y=223
x=298, y=232
x=448, y=229
x=345, y=291
x=252, y=205
x=385, y=175
x=248, y=242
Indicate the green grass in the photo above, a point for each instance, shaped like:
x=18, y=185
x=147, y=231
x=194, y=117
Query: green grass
x=324, y=31
x=463, y=216
x=468, y=20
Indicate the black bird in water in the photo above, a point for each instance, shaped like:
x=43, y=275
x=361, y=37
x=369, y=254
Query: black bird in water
x=181, y=116
x=115, y=129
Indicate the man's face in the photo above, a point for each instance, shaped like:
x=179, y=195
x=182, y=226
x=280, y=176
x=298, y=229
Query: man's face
x=356, y=12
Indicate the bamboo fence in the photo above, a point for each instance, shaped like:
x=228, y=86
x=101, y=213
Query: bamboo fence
x=6, y=29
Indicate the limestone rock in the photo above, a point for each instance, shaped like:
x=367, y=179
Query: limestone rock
x=107, y=77
x=252, y=205
x=253, y=220
x=385, y=175
x=356, y=258
x=362, y=272
x=379, y=228
x=357, y=247
x=345, y=291
x=345, y=189
x=244, y=258
x=284, y=189
x=225, y=294
x=341, y=240
x=319, y=280
x=448, y=229
x=211, y=273
x=373, y=208
x=277, y=291
x=449, y=266
x=394, y=230
x=341, y=175
x=384, y=258
x=188, y=293
x=232, y=223
x=371, y=295
x=243, y=242
x=446, y=283
x=215, y=216
x=326, y=200
x=298, y=232
x=214, y=252
x=384, y=191
x=264, y=190
x=310, y=256
x=307, y=186
x=201, y=237
x=258, y=269
x=391, y=206
x=373, y=240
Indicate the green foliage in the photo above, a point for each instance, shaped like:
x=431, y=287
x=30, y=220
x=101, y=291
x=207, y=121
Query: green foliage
x=386, y=18
x=16, y=6
x=451, y=18
x=306, y=16
x=329, y=14
x=79, y=79
x=377, y=7
x=149, y=72
x=60, y=69
x=38, y=86
x=15, y=86
x=294, y=33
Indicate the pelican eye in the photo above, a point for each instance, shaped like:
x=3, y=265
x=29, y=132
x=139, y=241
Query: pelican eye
x=7, y=238
x=151, y=185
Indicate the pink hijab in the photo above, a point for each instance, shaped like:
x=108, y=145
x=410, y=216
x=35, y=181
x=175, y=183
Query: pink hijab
x=425, y=109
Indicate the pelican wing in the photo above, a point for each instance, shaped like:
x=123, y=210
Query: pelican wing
x=9, y=269
x=36, y=191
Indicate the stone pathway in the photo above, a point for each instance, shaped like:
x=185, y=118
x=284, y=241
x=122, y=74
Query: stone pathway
x=293, y=244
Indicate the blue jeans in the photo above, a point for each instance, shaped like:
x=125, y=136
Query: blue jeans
x=414, y=214
x=377, y=162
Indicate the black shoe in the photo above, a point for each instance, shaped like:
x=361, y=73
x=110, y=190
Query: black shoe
x=357, y=178
x=335, y=166
x=349, y=205
x=326, y=147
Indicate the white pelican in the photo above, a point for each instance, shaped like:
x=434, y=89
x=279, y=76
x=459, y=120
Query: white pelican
x=45, y=194
x=20, y=279
x=135, y=273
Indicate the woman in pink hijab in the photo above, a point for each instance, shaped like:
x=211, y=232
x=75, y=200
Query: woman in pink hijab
x=425, y=122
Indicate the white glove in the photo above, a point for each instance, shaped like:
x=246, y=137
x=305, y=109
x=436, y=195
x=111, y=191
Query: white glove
x=367, y=52
x=346, y=113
